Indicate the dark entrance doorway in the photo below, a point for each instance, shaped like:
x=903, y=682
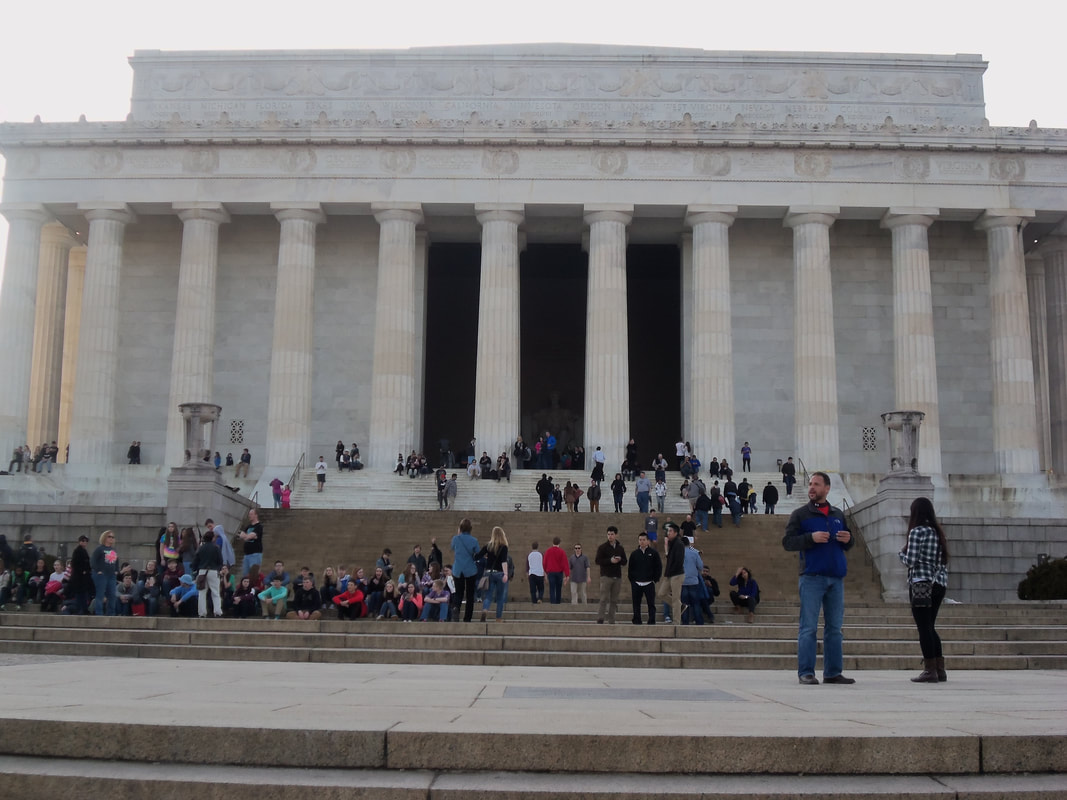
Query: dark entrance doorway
x=654, y=314
x=451, y=348
x=553, y=284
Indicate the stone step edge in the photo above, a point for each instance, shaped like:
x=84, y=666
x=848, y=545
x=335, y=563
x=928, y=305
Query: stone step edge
x=389, y=747
x=771, y=662
x=30, y=776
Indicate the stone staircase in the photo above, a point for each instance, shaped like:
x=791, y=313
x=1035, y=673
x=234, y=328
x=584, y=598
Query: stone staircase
x=546, y=704
x=319, y=537
x=877, y=638
x=366, y=489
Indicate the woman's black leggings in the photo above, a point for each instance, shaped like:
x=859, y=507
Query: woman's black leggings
x=925, y=618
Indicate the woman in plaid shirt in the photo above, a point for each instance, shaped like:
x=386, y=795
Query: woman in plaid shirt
x=926, y=556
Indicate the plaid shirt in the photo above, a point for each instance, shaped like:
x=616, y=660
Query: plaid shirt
x=922, y=556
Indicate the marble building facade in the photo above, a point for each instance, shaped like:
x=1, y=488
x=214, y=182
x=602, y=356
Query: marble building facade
x=853, y=235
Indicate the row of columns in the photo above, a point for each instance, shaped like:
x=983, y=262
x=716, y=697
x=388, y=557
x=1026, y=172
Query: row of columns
x=49, y=299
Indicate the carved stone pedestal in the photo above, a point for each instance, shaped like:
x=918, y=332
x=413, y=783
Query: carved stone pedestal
x=883, y=519
x=195, y=490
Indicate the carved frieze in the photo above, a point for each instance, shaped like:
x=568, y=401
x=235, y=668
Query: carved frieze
x=567, y=86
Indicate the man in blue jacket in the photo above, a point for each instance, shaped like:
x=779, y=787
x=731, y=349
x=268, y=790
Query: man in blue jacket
x=819, y=533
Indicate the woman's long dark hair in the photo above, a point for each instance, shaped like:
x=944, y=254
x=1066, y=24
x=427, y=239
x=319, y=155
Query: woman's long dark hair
x=922, y=513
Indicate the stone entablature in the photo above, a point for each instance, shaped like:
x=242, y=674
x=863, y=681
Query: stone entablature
x=556, y=86
x=339, y=174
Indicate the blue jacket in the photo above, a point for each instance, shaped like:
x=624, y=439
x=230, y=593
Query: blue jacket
x=464, y=545
x=827, y=558
x=694, y=565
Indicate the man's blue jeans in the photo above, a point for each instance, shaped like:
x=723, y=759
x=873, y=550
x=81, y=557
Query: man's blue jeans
x=826, y=593
x=642, y=502
x=716, y=516
x=701, y=519
x=691, y=597
x=249, y=560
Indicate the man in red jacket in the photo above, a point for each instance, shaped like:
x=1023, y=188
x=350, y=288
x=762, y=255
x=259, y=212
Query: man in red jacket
x=557, y=570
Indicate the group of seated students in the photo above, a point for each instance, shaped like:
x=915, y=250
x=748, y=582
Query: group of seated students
x=415, y=465
x=485, y=469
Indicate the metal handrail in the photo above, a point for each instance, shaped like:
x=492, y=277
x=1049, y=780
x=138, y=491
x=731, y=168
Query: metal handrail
x=294, y=476
x=803, y=471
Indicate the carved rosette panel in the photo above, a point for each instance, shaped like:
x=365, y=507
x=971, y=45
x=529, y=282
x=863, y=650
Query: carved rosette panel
x=812, y=165
x=398, y=162
x=201, y=161
x=714, y=164
x=500, y=162
x=610, y=162
x=299, y=159
x=914, y=167
x=106, y=161
x=1007, y=169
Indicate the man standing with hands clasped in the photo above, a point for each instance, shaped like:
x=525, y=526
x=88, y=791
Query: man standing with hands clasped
x=819, y=533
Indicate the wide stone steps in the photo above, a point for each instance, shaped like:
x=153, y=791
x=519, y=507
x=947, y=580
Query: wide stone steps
x=29, y=777
x=770, y=643
x=367, y=489
x=317, y=537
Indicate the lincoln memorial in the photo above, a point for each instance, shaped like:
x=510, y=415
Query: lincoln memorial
x=395, y=247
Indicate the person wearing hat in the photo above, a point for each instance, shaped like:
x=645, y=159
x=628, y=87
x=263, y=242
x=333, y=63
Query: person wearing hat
x=274, y=597
x=81, y=576
x=183, y=598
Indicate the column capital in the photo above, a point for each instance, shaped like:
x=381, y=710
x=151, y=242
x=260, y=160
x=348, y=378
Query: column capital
x=308, y=212
x=804, y=215
x=58, y=234
x=499, y=212
x=895, y=217
x=212, y=212
x=406, y=212
x=33, y=212
x=1003, y=217
x=117, y=212
x=700, y=214
x=610, y=212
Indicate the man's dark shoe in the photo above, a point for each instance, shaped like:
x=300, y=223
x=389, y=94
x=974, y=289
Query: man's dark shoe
x=839, y=679
x=809, y=680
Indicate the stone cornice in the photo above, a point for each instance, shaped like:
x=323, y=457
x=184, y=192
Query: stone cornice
x=740, y=134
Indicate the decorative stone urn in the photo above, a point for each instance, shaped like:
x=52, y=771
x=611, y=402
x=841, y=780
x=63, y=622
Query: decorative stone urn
x=198, y=447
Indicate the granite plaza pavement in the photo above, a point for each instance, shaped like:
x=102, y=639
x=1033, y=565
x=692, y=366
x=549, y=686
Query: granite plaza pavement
x=397, y=721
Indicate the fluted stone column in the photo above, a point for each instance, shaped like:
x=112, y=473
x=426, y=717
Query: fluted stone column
x=686, y=247
x=1014, y=405
x=1035, y=296
x=47, y=372
x=72, y=321
x=1054, y=252
x=709, y=366
x=496, y=393
x=192, y=366
x=914, y=362
x=815, y=354
x=289, y=396
x=607, y=357
x=393, y=423
x=18, y=301
x=93, y=419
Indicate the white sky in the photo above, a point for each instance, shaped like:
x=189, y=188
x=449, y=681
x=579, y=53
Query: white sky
x=61, y=59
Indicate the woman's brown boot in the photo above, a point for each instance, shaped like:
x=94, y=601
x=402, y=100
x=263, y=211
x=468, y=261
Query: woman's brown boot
x=929, y=673
x=942, y=676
